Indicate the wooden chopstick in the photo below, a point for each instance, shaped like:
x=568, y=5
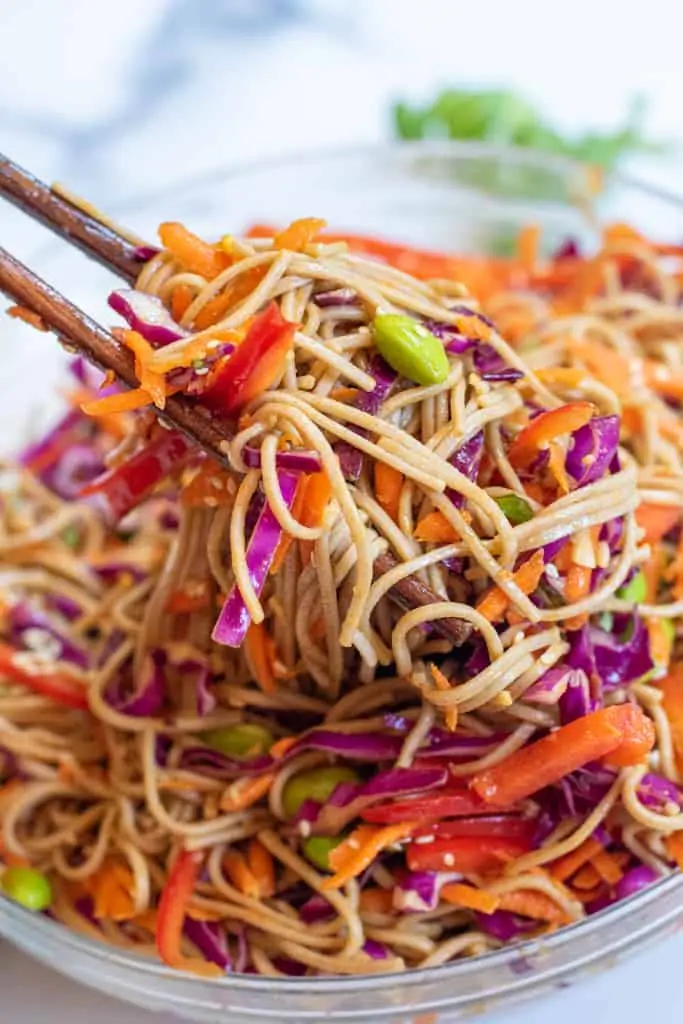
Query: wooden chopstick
x=99, y=241
x=76, y=330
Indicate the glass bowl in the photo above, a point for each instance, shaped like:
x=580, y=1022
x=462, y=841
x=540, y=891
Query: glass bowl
x=466, y=197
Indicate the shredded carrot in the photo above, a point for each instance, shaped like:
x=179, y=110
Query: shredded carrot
x=672, y=689
x=578, y=583
x=556, y=465
x=262, y=867
x=209, y=485
x=28, y=317
x=566, y=866
x=388, y=486
x=245, y=792
x=193, y=596
x=528, y=241
x=359, y=850
x=111, y=888
x=236, y=291
x=181, y=300
x=376, y=901
x=674, y=846
x=299, y=234
x=534, y=904
x=565, y=376
x=240, y=874
x=259, y=648
x=661, y=641
x=473, y=899
x=657, y=520
x=316, y=499
x=605, y=364
x=166, y=359
x=298, y=511
x=434, y=528
x=495, y=602
x=150, y=380
x=196, y=255
x=442, y=683
x=607, y=867
x=586, y=877
x=674, y=572
x=126, y=401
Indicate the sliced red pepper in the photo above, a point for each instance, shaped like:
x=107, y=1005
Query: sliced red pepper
x=119, y=490
x=254, y=365
x=508, y=826
x=433, y=807
x=173, y=905
x=469, y=854
x=58, y=686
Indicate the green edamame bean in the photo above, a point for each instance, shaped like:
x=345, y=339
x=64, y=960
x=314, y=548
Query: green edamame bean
x=515, y=509
x=635, y=590
x=317, y=849
x=410, y=348
x=241, y=741
x=316, y=784
x=27, y=887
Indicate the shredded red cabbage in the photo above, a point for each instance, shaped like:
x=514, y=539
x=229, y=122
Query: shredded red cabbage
x=148, y=698
x=592, y=449
x=234, y=619
x=297, y=460
x=210, y=940
x=29, y=626
x=147, y=315
x=622, y=655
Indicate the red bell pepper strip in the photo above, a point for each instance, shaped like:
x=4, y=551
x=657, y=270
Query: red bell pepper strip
x=58, y=686
x=544, y=428
x=173, y=905
x=506, y=826
x=253, y=366
x=469, y=854
x=119, y=490
x=623, y=728
x=432, y=807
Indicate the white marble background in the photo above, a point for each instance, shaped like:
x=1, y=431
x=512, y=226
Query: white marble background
x=120, y=99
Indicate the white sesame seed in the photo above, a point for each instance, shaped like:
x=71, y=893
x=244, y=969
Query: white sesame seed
x=423, y=840
x=449, y=859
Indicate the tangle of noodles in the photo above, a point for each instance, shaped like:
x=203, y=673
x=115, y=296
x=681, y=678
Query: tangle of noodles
x=323, y=781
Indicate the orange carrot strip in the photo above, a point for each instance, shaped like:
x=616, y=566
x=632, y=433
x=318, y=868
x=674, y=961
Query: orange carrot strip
x=262, y=867
x=672, y=689
x=28, y=317
x=298, y=511
x=565, y=376
x=536, y=905
x=259, y=647
x=661, y=641
x=495, y=602
x=607, y=867
x=442, y=683
x=163, y=361
x=544, y=428
x=388, y=485
x=359, y=850
x=434, y=528
x=299, y=234
x=240, y=874
x=196, y=255
x=657, y=520
x=564, y=867
x=674, y=846
x=235, y=292
x=317, y=497
x=622, y=731
x=376, y=901
x=246, y=792
x=605, y=364
x=126, y=401
x=578, y=583
x=528, y=241
x=467, y=896
x=586, y=878
x=181, y=299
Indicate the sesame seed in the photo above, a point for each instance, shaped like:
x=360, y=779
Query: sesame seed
x=449, y=859
x=423, y=840
x=305, y=828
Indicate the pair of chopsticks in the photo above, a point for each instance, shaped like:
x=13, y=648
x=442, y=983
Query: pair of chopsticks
x=79, y=332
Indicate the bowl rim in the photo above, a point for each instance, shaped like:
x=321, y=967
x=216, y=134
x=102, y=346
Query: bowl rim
x=506, y=956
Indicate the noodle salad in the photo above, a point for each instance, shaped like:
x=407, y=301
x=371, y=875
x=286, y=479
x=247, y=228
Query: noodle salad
x=224, y=740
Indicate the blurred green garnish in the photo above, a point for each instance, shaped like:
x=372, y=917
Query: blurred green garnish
x=505, y=118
